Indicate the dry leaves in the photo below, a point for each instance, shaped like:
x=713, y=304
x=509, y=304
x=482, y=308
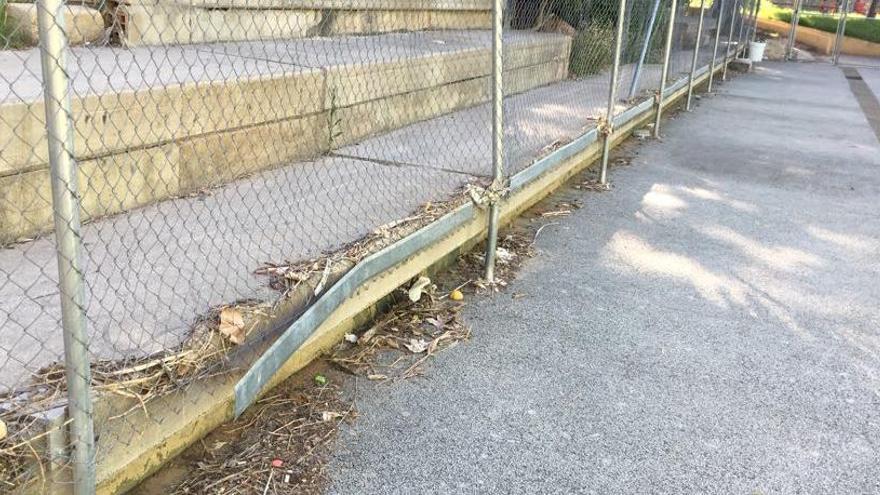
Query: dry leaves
x=280, y=445
x=331, y=415
x=417, y=346
x=232, y=325
x=418, y=329
x=415, y=291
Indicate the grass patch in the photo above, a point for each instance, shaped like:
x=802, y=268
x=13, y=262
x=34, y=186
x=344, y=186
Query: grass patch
x=770, y=10
x=857, y=25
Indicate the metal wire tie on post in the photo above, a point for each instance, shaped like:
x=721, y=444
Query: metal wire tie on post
x=604, y=126
x=484, y=198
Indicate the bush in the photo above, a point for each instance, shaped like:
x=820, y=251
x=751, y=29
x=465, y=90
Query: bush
x=591, y=50
x=593, y=47
x=580, y=13
x=8, y=38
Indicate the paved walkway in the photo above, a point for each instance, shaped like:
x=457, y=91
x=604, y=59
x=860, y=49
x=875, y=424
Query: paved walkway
x=710, y=326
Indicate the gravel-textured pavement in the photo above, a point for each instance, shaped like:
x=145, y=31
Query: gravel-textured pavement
x=711, y=325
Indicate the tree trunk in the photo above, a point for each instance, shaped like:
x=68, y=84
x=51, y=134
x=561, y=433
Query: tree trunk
x=872, y=10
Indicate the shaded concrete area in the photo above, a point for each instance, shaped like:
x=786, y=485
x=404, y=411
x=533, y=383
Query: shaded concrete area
x=709, y=326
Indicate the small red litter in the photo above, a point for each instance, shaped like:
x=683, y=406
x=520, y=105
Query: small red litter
x=277, y=463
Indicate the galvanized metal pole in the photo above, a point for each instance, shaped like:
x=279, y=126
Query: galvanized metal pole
x=755, y=20
x=729, y=41
x=792, y=33
x=607, y=127
x=664, y=73
x=497, y=138
x=753, y=14
x=693, y=73
x=742, y=24
x=841, y=32
x=638, y=72
x=65, y=203
x=715, y=49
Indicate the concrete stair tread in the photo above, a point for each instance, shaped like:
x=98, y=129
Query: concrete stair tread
x=154, y=123
x=106, y=69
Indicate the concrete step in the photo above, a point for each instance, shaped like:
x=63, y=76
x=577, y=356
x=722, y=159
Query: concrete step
x=150, y=22
x=154, y=123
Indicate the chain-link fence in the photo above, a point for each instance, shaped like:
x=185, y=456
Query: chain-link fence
x=179, y=180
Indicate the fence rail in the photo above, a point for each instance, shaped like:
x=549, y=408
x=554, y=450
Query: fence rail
x=181, y=181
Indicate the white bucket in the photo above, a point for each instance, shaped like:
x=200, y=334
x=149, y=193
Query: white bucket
x=756, y=51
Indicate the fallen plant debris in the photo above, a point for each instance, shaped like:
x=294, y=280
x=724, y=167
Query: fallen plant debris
x=593, y=185
x=515, y=246
x=288, y=276
x=138, y=380
x=232, y=325
x=556, y=213
x=201, y=355
x=401, y=340
x=280, y=445
x=563, y=209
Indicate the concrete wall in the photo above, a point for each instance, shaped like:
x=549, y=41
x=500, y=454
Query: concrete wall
x=205, y=21
x=140, y=146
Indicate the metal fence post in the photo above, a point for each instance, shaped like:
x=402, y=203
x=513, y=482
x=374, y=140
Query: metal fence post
x=715, y=49
x=792, y=33
x=693, y=73
x=65, y=203
x=650, y=30
x=664, y=73
x=497, y=137
x=755, y=21
x=753, y=16
x=841, y=32
x=729, y=41
x=606, y=128
x=740, y=48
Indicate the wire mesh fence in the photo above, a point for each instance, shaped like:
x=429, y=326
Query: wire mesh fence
x=174, y=175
